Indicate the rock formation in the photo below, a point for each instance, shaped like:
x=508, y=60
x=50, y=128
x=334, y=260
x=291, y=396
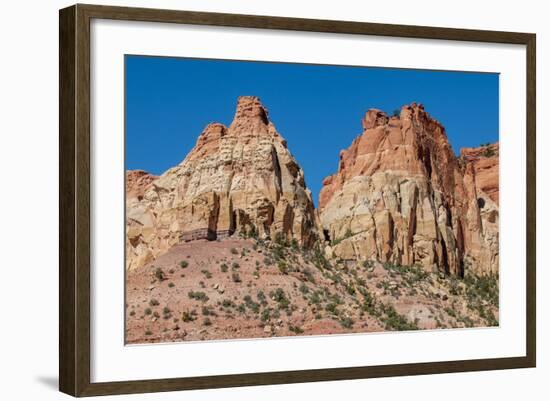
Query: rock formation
x=485, y=164
x=401, y=195
x=137, y=182
x=239, y=179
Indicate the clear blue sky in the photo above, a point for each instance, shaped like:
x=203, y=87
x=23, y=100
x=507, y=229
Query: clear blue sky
x=317, y=109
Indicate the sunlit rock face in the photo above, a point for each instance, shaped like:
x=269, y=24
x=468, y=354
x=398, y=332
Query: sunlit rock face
x=240, y=179
x=401, y=195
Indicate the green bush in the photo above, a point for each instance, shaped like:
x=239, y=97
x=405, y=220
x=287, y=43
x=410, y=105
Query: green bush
x=283, y=267
x=346, y=322
x=280, y=297
x=198, y=295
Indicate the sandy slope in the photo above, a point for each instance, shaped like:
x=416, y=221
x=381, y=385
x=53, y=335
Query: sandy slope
x=241, y=288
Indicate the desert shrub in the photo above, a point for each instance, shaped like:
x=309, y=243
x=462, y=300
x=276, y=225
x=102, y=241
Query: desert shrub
x=280, y=297
x=410, y=274
x=367, y=264
x=488, y=152
x=159, y=274
x=224, y=267
x=282, y=266
x=369, y=303
x=187, y=317
x=454, y=287
x=147, y=311
x=346, y=322
x=350, y=289
x=332, y=308
x=148, y=332
x=227, y=303
x=234, y=251
x=265, y=315
x=361, y=282
x=207, y=322
x=206, y=273
x=198, y=295
x=153, y=302
x=315, y=298
x=295, y=329
x=308, y=274
x=236, y=277
x=280, y=239
x=319, y=260
x=207, y=311
x=250, y=304
x=235, y=265
x=303, y=288
x=395, y=321
x=184, y=264
x=171, y=285
x=468, y=322
x=252, y=232
x=261, y=297
x=278, y=252
x=483, y=288
x=450, y=312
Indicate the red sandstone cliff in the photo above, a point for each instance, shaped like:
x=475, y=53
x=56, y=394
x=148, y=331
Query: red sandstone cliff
x=401, y=195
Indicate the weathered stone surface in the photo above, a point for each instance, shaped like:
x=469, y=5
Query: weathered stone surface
x=240, y=179
x=485, y=162
x=137, y=181
x=401, y=195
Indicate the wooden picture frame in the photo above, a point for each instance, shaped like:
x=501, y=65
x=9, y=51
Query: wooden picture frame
x=74, y=200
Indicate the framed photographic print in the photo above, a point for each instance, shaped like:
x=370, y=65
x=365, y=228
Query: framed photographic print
x=250, y=200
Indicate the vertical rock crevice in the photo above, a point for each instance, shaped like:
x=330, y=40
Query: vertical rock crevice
x=237, y=180
x=428, y=192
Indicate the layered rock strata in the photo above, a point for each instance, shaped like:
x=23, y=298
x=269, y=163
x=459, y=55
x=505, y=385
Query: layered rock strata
x=401, y=195
x=240, y=179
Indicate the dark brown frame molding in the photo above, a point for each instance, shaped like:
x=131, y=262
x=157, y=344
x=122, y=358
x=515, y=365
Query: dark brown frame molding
x=74, y=199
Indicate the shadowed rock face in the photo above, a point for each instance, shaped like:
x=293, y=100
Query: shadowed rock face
x=237, y=179
x=401, y=195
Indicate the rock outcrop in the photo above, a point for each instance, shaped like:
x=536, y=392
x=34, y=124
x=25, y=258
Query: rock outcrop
x=240, y=179
x=485, y=164
x=137, y=182
x=401, y=195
